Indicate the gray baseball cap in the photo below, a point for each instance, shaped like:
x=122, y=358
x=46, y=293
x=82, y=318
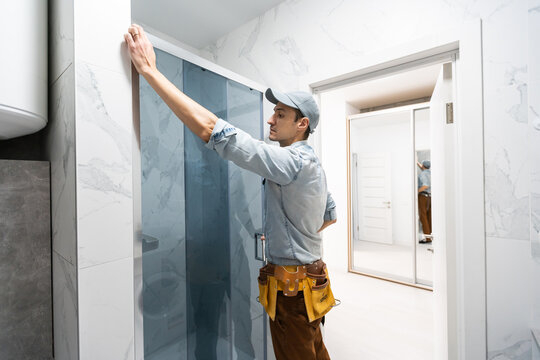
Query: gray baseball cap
x=426, y=164
x=300, y=100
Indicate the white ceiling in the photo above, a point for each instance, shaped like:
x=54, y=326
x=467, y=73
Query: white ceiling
x=413, y=84
x=198, y=23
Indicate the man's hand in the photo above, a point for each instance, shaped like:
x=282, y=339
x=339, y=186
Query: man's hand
x=326, y=224
x=198, y=119
x=141, y=50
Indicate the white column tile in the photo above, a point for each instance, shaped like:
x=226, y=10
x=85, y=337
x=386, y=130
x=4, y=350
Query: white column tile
x=99, y=32
x=508, y=298
x=106, y=320
x=60, y=151
x=104, y=174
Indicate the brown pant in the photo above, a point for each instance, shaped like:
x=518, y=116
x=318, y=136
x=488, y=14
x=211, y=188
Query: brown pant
x=293, y=336
x=424, y=211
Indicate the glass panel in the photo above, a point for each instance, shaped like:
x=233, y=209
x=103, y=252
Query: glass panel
x=199, y=217
x=424, y=250
x=382, y=195
x=163, y=226
x=245, y=212
x=207, y=227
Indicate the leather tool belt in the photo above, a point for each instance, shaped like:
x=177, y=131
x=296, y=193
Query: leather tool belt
x=312, y=279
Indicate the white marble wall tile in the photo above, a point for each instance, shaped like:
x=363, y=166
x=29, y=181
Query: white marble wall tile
x=508, y=298
x=326, y=37
x=60, y=37
x=65, y=309
x=505, y=119
x=60, y=151
x=534, y=124
x=534, y=153
x=106, y=311
x=535, y=295
x=100, y=26
x=104, y=174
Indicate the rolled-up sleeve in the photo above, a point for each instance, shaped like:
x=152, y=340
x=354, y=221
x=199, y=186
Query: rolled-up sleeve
x=330, y=213
x=277, y=164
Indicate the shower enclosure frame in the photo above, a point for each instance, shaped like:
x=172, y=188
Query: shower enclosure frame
x=185, y=55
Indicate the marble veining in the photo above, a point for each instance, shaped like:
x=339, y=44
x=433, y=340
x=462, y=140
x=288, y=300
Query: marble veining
x=519, y=351
x=60, y=37
x=288, y=48
x=104, y=190
x=517, y=77
x=252, y=39
x=60, y=151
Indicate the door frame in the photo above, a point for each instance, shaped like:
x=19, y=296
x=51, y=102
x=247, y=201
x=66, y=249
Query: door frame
x=159, y=42
x=469, y=338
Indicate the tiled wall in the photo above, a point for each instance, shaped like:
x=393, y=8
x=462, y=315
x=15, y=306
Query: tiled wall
x=89, y=144
x=302, y=41
x=25, y=266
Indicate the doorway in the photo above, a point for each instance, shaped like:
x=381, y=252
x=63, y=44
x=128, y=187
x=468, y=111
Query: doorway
x=416, y=123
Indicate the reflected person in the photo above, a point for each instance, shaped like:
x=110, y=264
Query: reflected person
x=424, y=200
x=294, y=286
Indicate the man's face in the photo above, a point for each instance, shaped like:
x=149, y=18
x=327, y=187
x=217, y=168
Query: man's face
x=282, y=123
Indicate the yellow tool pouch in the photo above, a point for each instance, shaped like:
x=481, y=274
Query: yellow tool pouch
x=312, y=279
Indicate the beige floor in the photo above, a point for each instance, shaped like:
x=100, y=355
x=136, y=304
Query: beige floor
x=378, y=320
x=394, y=260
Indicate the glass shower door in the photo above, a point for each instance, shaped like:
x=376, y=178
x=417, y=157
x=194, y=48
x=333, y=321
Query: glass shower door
x=163, y=303
x=200, y=214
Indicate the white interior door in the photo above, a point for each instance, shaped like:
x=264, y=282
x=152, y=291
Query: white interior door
x=443, y=214
x=374, y=197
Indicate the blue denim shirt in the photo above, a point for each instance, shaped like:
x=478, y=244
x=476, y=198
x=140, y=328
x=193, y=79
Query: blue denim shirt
x=424, y=179
x=297, y=201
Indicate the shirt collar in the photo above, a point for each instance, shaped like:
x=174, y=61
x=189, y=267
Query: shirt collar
x=298, y=143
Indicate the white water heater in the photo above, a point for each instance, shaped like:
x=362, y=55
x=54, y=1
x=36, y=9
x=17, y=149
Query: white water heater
x=23, y=67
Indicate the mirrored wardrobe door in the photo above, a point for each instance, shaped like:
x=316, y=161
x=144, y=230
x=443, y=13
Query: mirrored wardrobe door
x=382, y=188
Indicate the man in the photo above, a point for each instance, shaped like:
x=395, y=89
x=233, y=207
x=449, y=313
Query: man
x=294, y=286
x=424, y=200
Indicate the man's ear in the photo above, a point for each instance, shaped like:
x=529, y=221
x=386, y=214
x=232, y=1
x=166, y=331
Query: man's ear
x=303, y=123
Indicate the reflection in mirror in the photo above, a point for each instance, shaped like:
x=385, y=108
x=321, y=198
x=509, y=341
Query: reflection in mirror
x=384, y=147
x=382, y=181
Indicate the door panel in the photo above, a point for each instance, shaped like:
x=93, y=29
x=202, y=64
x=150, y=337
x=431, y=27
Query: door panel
x=199, y=216
x=245, y=217
x=207, y=227
x=162, y=205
